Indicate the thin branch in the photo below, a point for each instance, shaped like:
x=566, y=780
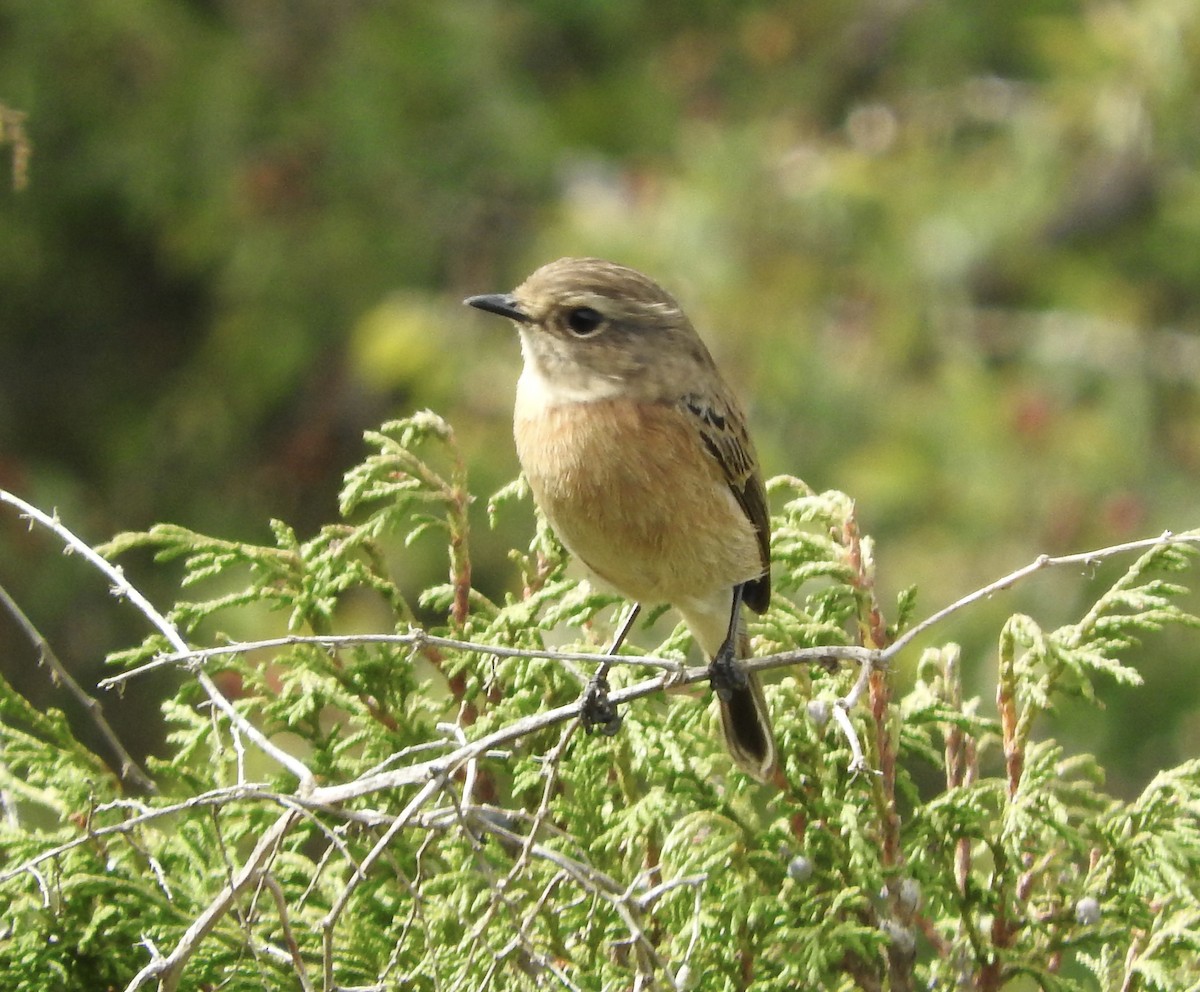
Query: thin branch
x=123, y=589
x=281, y=906
x=130, y=772
x=1037, y=565
x=146, y=815
x=420, y=638
x=169, y=970
x=415, y=638
x=673, y=675
x=858, y=763
x=360, y=872
x=305, y=806
x=623, y=899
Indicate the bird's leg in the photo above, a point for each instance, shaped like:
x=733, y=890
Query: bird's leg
x=724, y=672
x=626, y=627
x=597, y=712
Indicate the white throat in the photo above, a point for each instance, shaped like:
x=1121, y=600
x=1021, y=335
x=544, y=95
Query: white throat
x=537, y=390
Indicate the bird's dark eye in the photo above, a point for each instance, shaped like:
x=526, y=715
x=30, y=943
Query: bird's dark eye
x=584, y=321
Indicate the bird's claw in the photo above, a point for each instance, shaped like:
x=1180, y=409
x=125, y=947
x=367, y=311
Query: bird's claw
x=726, y=674
x=598, y=713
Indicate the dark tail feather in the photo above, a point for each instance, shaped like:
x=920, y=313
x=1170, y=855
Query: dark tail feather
x=746, y=722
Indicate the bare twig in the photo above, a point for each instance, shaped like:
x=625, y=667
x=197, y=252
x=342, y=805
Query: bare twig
x=169, y=970
x=273, y=887
x=624, y=899
x=415, y=638
x=858, y=763
x=129, y=771
x=1087, y=558
x=399, y=823
x=420, y=638
x=123, y=589
x=674, y=673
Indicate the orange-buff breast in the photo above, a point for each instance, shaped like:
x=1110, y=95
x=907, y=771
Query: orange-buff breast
x=632, y=492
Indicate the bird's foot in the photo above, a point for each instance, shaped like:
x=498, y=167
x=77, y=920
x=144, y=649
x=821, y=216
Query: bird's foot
x=598, y=713
x=725, y=673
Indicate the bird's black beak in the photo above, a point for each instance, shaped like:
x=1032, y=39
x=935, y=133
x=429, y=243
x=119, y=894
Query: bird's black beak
x=505, y=304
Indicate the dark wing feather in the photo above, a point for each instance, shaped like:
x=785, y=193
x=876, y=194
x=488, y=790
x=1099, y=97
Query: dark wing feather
x=723, y=430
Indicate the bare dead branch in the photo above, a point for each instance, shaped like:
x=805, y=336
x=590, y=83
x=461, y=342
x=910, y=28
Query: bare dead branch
x=130, y=772
x=122, y=589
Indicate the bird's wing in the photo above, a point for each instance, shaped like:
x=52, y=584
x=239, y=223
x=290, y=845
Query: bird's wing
x=723, y=430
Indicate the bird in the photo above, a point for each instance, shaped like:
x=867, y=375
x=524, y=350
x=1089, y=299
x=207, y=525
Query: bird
x=639, y=456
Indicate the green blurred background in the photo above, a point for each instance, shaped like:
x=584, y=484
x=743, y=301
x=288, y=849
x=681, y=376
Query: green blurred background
x=948, y=252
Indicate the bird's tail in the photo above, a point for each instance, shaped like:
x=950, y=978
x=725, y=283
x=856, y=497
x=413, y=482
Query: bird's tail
x=746, y=723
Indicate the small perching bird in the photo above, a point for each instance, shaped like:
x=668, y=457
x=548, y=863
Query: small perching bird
x=638, y=454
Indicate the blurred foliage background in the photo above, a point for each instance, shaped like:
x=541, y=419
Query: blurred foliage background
x=948, y=253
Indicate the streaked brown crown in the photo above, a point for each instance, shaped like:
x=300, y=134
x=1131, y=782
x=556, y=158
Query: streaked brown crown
x=568, y=279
